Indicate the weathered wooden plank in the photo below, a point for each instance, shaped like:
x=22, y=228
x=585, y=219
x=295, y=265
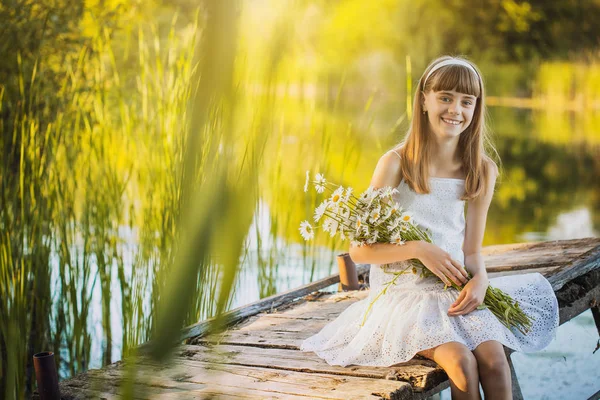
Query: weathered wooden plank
x=420, y=373
x=581, y=265
x=268, y=303
x=575, y=245
x=546, y=271
x=264, y=338
x=191, y=378
x=141, y=391
x=578, y=295
x=536, y=255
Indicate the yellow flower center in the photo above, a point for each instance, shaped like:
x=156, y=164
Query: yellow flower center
x=336, y=198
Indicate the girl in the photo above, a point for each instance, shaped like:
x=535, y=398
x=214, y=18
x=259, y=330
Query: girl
x=440, y=166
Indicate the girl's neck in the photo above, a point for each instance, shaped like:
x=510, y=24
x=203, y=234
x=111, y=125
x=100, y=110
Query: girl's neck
x=444, y=161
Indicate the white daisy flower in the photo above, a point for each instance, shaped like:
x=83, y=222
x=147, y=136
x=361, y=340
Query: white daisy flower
x=365, y=216
x=319, y=211
x=320, y=183
x=364, y=197
x=348, y=194
x=372, y=195
x=375, y=214
x=407, y=218
x=351, y=235
x=336, y=196
x=356, y=243
x=306, y=230
x=366, y=229
x=395, y=209
x=393, y=224
x=358, y=224
x=373, y=238
x=397, y=239
x=331, y=226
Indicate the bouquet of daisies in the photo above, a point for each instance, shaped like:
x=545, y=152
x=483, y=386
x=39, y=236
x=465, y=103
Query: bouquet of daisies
x=375, y=217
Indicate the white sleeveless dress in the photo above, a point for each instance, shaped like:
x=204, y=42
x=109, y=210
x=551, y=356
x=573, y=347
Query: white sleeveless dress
x=412, y=315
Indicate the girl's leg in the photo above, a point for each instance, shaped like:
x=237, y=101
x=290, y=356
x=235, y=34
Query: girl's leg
x=494, y=371
x=460, y=365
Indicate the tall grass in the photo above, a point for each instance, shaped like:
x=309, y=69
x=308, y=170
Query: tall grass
x=89, y=201
x=135, y=196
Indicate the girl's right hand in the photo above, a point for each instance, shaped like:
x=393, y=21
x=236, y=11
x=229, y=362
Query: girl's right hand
x=441, y=264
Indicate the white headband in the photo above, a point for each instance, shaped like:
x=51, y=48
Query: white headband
x=452, y=61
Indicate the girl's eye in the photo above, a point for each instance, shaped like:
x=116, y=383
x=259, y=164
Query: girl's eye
x=466, y=102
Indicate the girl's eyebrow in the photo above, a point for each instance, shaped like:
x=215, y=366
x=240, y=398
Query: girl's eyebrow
x=451, y=94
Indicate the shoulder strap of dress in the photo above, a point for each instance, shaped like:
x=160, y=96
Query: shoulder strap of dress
x=396, y=153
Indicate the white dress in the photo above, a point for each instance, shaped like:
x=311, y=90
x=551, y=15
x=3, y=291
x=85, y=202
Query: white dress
x=412, y=315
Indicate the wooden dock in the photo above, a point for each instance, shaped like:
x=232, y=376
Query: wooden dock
x=258, y=356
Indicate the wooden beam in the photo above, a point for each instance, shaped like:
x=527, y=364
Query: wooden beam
x=585, y=263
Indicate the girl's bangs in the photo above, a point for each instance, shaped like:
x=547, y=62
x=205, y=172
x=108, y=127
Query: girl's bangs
x=456, y=77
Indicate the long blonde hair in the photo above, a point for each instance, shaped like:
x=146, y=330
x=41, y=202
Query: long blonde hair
x=417, y=145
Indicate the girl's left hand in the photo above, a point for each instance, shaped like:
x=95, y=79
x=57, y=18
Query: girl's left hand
x=471, y=296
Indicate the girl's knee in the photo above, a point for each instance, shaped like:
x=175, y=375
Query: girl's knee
x=465, y=362
x=496, y=365
x=463, y=372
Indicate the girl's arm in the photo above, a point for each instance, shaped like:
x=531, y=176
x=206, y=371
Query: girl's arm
x=384, y=253
x=477, y=210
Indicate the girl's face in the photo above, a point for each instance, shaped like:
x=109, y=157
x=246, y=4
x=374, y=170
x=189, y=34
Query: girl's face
x=449, y=112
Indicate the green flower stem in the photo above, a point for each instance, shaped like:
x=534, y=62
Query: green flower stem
x=390, y=283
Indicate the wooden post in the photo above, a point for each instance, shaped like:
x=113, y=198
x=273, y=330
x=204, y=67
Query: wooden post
x=595, y=306
x=46, y=376
x=348, y=274
x=516, y=388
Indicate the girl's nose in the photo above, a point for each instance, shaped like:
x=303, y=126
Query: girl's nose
x=453, y=109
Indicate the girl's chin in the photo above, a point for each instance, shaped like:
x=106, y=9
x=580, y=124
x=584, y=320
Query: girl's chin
x=449, y=133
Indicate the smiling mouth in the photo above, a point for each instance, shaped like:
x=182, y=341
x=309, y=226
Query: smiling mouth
x=451, y=121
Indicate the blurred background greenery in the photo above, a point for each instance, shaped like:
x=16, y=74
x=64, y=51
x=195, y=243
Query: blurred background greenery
x=153, y=153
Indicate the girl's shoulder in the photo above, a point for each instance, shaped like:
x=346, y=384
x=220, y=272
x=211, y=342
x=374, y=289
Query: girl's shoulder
x=491, y=170
x=394, y=154
x=387, y=171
